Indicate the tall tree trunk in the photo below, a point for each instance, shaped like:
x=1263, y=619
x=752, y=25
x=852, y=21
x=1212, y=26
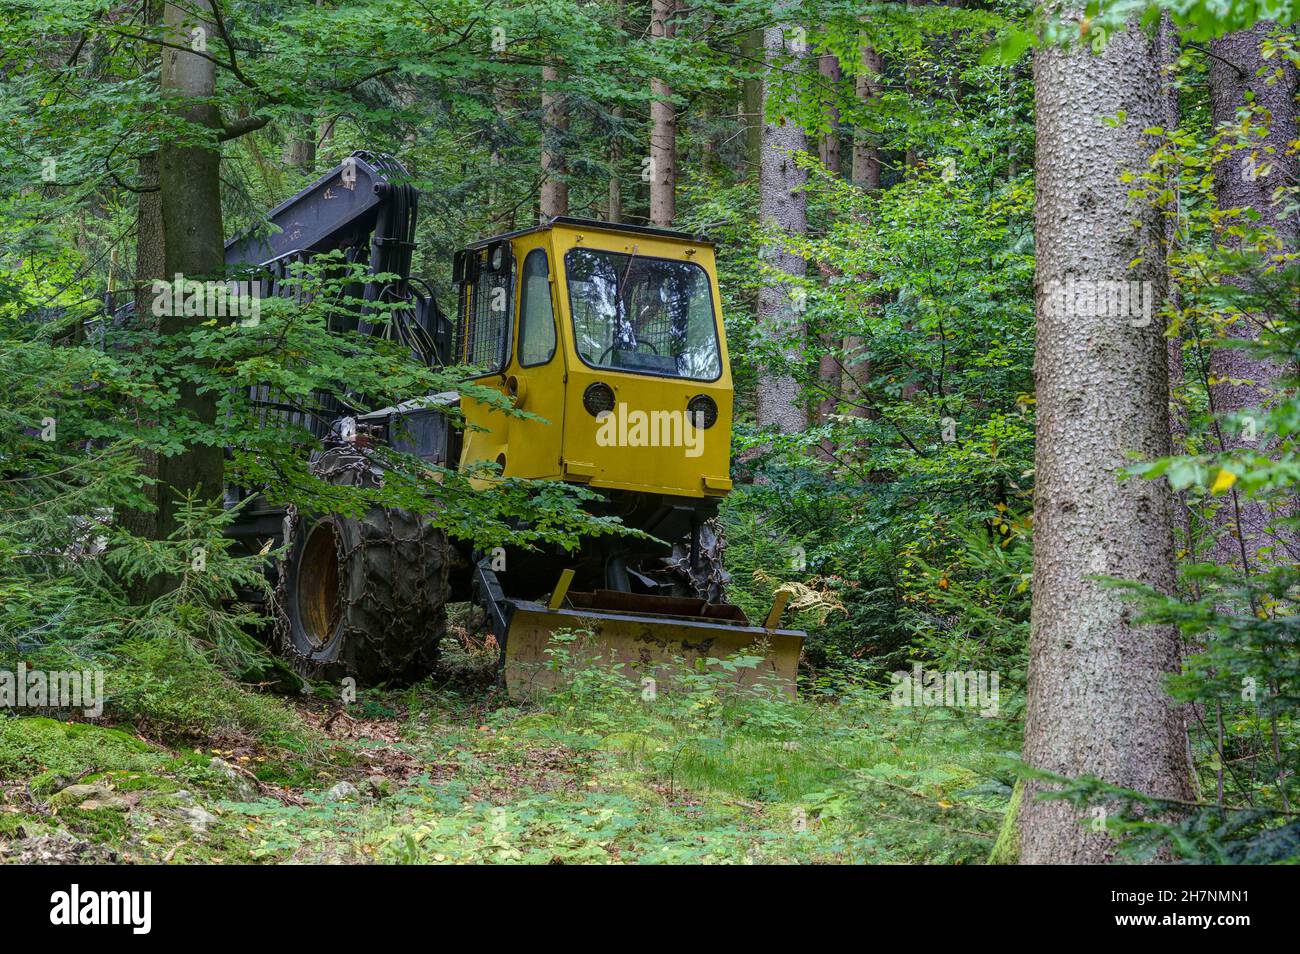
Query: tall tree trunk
x=322, y=131
x=190, y=199
x=866, y=148
x=614, y=207
x=150, y=243
x=782, y=205
x=663, y=127
x=150, y=264
x=911, y=156
x=1097, y=704
x=1239, y=379
x=554, y=199
x=150, y=239
x=1170, y=50
x=752, y=99
x=614, y=212
x=866, y=174
x=300, y=146
x=828, y=149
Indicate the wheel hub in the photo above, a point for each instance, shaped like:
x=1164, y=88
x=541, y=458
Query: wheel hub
x=318, y=585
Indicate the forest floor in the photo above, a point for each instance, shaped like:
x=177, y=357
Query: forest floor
x=428, y=775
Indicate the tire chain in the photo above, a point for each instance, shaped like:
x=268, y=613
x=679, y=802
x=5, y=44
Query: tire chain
x=707, y=580
x=344, y=465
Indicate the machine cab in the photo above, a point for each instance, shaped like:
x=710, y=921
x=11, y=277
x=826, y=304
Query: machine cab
x=611, y=337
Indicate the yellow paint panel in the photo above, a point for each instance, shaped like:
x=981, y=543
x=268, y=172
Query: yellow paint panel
x=647, y=446
x=530, y=448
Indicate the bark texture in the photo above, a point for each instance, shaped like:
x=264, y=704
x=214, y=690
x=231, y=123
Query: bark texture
x=782, y=205
x=1096, y=704
x=663, y=127
x=752, y=99
x=614, y=211
x=1169, y=52
x=150, y=264
x=866, y=149
x=1170, y=48
x=828, y=67
x=190, y=200
x=300, y=146
x=554, y=199
x=1241, y=380
x=828, y=366
x=866, y=174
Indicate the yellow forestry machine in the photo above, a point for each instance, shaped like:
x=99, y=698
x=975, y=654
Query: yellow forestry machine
x=611, y=336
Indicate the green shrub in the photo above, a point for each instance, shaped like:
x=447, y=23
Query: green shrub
x=175, y=695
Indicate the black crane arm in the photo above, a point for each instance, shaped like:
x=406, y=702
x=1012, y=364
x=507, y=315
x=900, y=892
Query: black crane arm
x=364, y=208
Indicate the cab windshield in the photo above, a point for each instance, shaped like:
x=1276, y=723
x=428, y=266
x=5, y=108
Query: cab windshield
x=645, y=315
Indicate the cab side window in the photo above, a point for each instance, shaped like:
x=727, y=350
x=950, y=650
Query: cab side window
x=485, y=319
x=536, y=317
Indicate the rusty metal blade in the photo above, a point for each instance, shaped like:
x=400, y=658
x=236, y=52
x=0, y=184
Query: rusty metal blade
x=647, y=643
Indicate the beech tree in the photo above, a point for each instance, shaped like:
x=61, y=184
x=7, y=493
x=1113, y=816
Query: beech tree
x=150, y=265
x=829, y=373
x=189, y=179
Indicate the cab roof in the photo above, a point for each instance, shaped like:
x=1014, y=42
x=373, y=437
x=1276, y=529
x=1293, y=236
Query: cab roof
x=568, y=221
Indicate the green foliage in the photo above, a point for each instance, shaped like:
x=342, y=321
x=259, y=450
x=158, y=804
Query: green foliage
x=159, y=686
x=1095, y=22
x=931, y=448
x=202, y=611
x=805, y=529
x=904, y=507
x=702, y=772
x=973, y=613
x=828, y=769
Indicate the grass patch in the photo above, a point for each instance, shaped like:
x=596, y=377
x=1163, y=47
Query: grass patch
x=46, y=747
x=594, y=773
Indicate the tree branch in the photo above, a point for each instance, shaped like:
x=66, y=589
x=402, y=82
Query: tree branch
x=240, y=127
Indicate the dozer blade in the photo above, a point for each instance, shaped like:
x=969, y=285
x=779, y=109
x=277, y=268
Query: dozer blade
x=651, y=635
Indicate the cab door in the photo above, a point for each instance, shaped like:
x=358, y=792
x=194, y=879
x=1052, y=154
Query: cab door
x=535, y=378
x=486, y=277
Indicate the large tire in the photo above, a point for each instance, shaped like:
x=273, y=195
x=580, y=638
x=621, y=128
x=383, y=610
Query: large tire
x=363, y=597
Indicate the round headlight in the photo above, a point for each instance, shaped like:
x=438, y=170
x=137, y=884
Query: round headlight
x=497, y=257
x=598, y=398
x=702, y=411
